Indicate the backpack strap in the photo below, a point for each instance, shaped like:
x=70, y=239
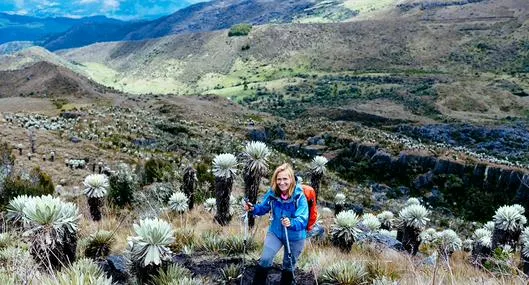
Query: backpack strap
x=297, y=200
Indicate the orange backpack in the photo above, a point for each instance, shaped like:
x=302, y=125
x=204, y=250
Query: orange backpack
x=310, y=193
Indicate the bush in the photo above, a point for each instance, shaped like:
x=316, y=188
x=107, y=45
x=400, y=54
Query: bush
x=83, y=271
x=122, y=186
x=37, y=184
x=344, y=272
x=158, y=193
x=156, y=170
x=5, y=154
x=183, y=238
x=236, y=245
x=240, y=30
x=174, y=274
x=231, y=273
x=206, y=182
x=98, y=245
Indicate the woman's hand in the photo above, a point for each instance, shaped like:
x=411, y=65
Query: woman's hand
x=248, y=206
x=286, y=222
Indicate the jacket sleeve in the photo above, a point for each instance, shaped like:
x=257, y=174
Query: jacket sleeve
x=263, y=207
x=301, y=216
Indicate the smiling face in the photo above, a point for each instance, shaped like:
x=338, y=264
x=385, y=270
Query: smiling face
x=283, y=181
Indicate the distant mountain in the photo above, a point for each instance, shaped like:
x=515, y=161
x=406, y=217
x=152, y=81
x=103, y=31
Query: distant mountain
x=222, y=14
x=62, y=33
x=123, y=9
x=200, y=17
x=88, y=33
x=433, y=51
x=24, y=28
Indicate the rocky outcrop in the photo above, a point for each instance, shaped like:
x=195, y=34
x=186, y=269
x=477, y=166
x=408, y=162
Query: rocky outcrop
x=507, y=141
x=481, y=175
x=434, y=4
x=426, y=173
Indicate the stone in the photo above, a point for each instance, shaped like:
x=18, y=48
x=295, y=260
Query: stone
x=381, y=160
x=376, y=187
x=423, y=181
x=257, y=134
x=433, y=197
x=388, y=241
x=115, y=266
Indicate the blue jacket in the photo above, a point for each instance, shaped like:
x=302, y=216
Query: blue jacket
x=295, y=208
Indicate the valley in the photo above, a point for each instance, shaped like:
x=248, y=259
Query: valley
x=403, y=100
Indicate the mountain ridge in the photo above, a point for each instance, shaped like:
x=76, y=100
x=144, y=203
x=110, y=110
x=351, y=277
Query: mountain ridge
x=47, y=80
x=26, y=28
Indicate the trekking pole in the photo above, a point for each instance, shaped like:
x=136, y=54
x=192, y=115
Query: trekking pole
x=290, y=254
x=312, y=264
x=245, y=222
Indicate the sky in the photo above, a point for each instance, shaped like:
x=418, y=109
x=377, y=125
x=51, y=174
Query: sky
x=119, y=9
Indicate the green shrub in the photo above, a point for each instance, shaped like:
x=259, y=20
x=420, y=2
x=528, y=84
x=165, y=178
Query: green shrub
x=206, y=182
x=501, y=261
x=156, y=170
x=59, y=102
x=240, y=30
x=38, y=183
x=83, y=271
x=235, y=245
x=6, y=157
x=7, y=239
x=183, y=238
x=158, y=193
x=173, y=274
x=16, y=266
x=122, y=186
x=212, y=242
x=344, y=272
x=230, y=273
x=98, y=244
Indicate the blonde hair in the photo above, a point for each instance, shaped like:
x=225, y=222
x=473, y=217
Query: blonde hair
x=290, y=173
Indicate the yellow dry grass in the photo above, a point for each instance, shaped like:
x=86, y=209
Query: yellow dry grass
x=317, y=256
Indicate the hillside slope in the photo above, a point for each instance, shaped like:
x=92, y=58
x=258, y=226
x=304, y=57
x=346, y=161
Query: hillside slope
x=201, y=17
x=217, y=15
x=27, y=56
x=460, y=60
x=46, y=80
x=428, y=42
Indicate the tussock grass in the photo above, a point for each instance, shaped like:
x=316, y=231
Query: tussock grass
x=197, y=229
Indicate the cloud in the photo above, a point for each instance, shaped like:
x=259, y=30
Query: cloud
x=43, y=4
x=82, y=2
x=19, y=4
x=110, y=5
x=21, y=12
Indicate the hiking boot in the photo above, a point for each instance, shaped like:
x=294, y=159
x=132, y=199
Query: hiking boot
x=287, y=277
x=260, y=275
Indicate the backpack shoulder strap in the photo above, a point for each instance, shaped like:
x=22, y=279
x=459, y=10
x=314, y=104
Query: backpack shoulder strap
x=310, y=194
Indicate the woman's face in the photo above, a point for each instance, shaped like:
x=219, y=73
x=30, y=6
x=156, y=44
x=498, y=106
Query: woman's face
x=283, y=181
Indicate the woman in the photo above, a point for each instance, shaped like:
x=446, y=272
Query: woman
x=289, y=210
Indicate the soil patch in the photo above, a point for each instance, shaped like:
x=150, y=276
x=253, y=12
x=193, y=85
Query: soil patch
x=207, y=265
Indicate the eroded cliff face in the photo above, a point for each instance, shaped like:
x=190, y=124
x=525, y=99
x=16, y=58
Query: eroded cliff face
x=471, y=188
